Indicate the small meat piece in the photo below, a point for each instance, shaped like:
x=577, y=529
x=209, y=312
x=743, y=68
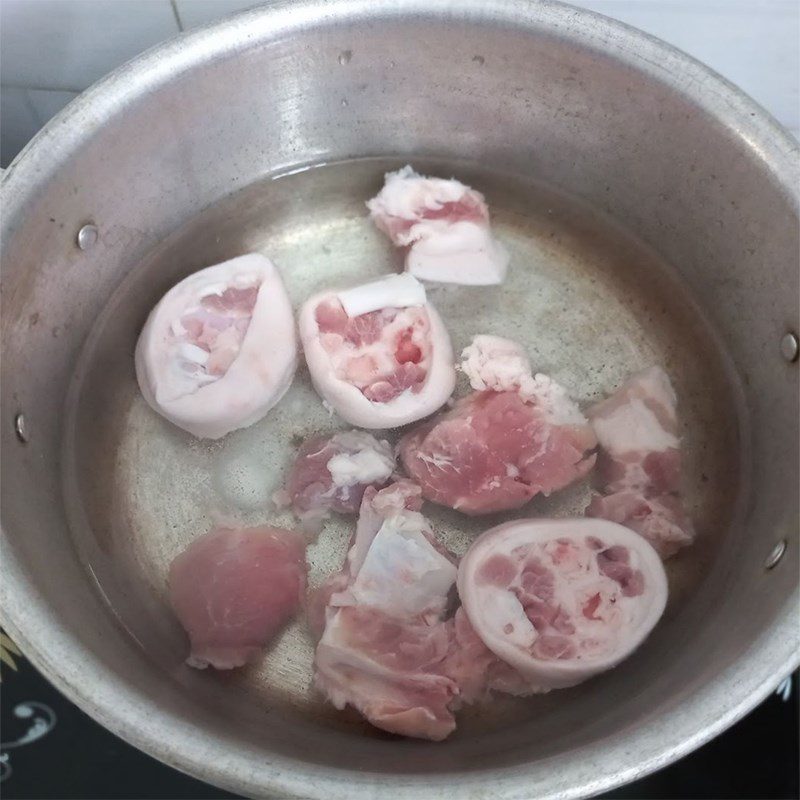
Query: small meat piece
x=445, y=226
x=379, y=353
x=384, y=643
x=661, y=519
x=376, y=507
x=468, y=660
x=387, y=669
x=318, y=602
x=559, y=601
x=219, y=350
x=395, y=563
x=234, y=589
x=519, y=436
x=637, y=428
x=639, y=464
x=330, y=473
x=495, y=364
x=476, y=670
x=404, y=573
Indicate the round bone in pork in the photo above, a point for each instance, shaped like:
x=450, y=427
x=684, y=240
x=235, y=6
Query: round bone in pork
x=561, y=600
x=379, y=353
x=219, y=349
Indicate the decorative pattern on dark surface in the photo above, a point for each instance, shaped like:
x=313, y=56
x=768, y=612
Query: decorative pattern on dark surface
x=77, y=758
x=39, y=721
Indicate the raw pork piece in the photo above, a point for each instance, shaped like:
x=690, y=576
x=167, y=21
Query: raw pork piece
x=388, y=669
x=476, y=670
x=379, y=353
x=639, y=464
x=376, y=506
x=219, y=349
x=559, y=601
x=384, y=644
x=517, y=436
x=445, y=226
x=234, y=589
x=330, y=473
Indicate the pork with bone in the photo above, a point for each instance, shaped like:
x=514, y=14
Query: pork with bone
x=516, y=436
x=234, y=589
x=639, y=461
x=444, y=226
x=219, y=350
x=558, y=601
x=383, y=642
x=331, y=473
x=378, y=354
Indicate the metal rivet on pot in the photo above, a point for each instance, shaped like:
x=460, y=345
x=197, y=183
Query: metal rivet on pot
x=21, y=428
x=87, y=236
x=776, y=554
x=345, y=56
x=790, y=347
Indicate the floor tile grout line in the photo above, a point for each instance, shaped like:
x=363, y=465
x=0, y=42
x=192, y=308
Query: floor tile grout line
x=28, y=88
x=177, y=15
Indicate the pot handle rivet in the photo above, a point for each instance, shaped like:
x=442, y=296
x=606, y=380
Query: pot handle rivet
x=21, y=428
x=789, y=347
x=775, y=555
x=87, y=236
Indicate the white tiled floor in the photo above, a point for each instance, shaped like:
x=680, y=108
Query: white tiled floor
x=23, y=112
x=198, y=12
x=69, y=44
x=52, y=49
x=48, y=102
x=753, y=43
x=17, y=122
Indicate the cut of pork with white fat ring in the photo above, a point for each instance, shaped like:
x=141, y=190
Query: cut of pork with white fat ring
x=219, y=350
x=561, y=600
x=378, y=354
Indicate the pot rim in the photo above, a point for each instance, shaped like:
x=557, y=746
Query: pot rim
x=137, y=718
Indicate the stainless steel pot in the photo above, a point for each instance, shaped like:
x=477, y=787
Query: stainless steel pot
x=651, y=210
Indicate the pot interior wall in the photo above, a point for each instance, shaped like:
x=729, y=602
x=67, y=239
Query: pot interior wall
x=650, y=220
